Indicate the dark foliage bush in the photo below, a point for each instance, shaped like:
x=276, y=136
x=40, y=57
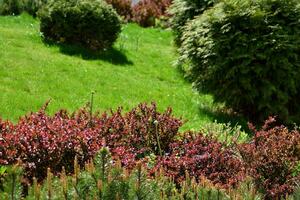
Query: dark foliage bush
x=41, y=141
x=123, y=8
x=272, y=159
x=145, y=12
x=184, y=10
x=10, y=7
x=33, y=6
x=202, y=156
x=247, y=55
x=91, y=23
x=16, y=7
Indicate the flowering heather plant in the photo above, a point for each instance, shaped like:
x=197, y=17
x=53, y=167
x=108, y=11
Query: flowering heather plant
x=272, y=159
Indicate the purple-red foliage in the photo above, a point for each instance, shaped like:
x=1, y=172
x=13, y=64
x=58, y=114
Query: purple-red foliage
x=133, y=135
x=41, y=141
x=146, y=11
x=272, y=158
x=123, y=8
x=202, y=156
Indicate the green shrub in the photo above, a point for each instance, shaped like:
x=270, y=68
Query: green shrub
x=91, y=23
x=33, y=6
x=105, y=179
x=16, y=7
x=246, y=53
x=10, y=7
x=185, y=10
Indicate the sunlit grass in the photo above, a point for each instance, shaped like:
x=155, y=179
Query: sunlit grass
x=139, y=69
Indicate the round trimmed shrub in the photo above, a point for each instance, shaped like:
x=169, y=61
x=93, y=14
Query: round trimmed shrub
x=91, y=23
x=184, y=10
x=246, y=53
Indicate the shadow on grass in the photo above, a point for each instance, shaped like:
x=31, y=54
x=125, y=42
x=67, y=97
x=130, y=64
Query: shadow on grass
x=224, y=117
x=111, y=55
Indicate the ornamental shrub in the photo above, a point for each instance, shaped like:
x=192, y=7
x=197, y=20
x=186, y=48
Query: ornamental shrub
x=246, y=53
x=272, y=160
x=202, y=156
x=183, y=11
x=41, y=141
x=91, y=23
x=145, y=12
x=123, y=8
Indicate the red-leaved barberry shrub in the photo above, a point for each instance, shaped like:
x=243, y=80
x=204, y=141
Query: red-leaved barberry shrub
x=149, y=127
x=41, y=141
x=138, y=133
x=123, y=8
x=146, y=11
x=202, y=156
x=272, y=159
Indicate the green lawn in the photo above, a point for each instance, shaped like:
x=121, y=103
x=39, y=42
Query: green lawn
x=139, y=69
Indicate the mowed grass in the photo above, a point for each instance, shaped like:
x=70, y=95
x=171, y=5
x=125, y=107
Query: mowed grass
x=139, y=69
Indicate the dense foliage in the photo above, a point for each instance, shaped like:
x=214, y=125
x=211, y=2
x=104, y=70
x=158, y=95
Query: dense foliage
x=15, y=7
x=184, y=10
x=247, y=55
x=43, y=141
x=123, y=8
x=202, y=156
x=91, y=23
x=272, y=159
x=10, y=7
x=145, y=137
x=105, y=179
x=145, y=12
x=33, y=6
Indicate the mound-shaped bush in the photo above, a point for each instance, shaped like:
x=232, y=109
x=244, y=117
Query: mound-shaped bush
x=183, y=11
x=91, y=23
x=272, y=160
x=202, y=156
x=247, y=55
